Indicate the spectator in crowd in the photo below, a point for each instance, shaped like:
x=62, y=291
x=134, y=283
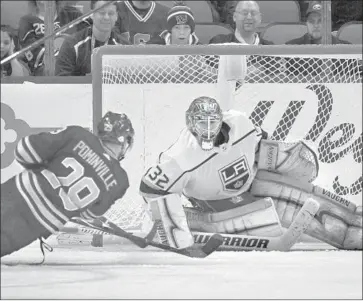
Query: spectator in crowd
x=215, y=7
x=247, y=18
x=138, y=21
x=15, y=67
x=314, y=27
x=32, y=28
x=180, y=28
x=304, y=5
x=74, y=57
x=226, y=10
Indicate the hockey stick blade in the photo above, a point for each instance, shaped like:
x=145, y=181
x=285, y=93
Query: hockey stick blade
x=195, y=251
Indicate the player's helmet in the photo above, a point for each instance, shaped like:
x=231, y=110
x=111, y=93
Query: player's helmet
x=117, y=129
x=204, y=119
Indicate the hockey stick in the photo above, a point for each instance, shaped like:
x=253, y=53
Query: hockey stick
x=240, y=242
x=55, y=33
x=214, y=241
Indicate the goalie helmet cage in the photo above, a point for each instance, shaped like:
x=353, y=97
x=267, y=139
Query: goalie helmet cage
x=155, y=84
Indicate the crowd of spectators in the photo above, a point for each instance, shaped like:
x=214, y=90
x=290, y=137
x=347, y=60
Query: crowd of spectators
x=150, y=22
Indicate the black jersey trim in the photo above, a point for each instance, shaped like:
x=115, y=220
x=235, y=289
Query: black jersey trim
x=144, y=188
x=243, y=137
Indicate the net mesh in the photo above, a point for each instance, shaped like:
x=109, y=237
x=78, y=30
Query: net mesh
x=197, y=69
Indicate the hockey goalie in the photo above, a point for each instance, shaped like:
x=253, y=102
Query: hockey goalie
x=240, y=182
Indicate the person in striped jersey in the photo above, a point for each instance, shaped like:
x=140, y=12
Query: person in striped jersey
x=68, y=173
x=139, y=21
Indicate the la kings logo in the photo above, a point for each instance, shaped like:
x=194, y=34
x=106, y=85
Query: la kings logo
x=235, y=175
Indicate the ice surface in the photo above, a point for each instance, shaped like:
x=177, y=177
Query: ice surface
x=121, y=272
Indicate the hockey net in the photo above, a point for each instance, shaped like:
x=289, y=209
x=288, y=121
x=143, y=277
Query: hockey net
x=133, y=78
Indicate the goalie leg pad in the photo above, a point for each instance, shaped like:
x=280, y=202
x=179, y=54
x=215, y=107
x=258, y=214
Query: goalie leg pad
x=334, y=224
x=172, y=227
x=257, y=218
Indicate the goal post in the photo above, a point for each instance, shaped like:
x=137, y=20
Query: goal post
x=310, y=92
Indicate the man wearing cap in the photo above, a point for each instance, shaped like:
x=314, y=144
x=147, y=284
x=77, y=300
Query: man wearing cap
x=180, y=28
x=314, y=27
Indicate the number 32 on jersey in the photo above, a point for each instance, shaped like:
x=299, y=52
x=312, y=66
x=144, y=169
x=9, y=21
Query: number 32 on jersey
x=156, y=176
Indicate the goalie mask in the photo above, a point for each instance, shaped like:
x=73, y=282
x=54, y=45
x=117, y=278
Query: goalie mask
x=204, y=120
x=116, y=133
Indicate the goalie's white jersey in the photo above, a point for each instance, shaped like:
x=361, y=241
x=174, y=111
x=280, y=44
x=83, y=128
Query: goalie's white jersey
x=225, y=171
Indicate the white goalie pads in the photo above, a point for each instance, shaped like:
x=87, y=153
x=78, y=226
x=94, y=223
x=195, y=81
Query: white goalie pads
x=338, y=221
x=258, y=218
x=171, y=224
x=295, y=160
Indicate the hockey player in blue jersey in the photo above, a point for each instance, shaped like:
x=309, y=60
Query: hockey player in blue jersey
x=68, y=173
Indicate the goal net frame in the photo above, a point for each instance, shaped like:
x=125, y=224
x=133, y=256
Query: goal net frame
x=230, y=49
x=304, y=51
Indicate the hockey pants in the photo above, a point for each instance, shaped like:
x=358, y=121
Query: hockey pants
x=19, y=227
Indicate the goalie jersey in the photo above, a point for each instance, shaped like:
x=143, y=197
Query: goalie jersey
x=224, y=172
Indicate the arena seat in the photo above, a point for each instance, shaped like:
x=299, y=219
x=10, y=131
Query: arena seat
x=351, y=32
x=279, y=11
x=279, y=33
x=206, y=31
x=201, y=9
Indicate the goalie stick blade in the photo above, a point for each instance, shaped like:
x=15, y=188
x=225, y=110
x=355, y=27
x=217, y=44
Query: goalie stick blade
x=213, y=244
x=195, y=251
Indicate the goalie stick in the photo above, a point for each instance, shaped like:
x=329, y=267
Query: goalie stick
x=240, y=242
x=195, y=251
